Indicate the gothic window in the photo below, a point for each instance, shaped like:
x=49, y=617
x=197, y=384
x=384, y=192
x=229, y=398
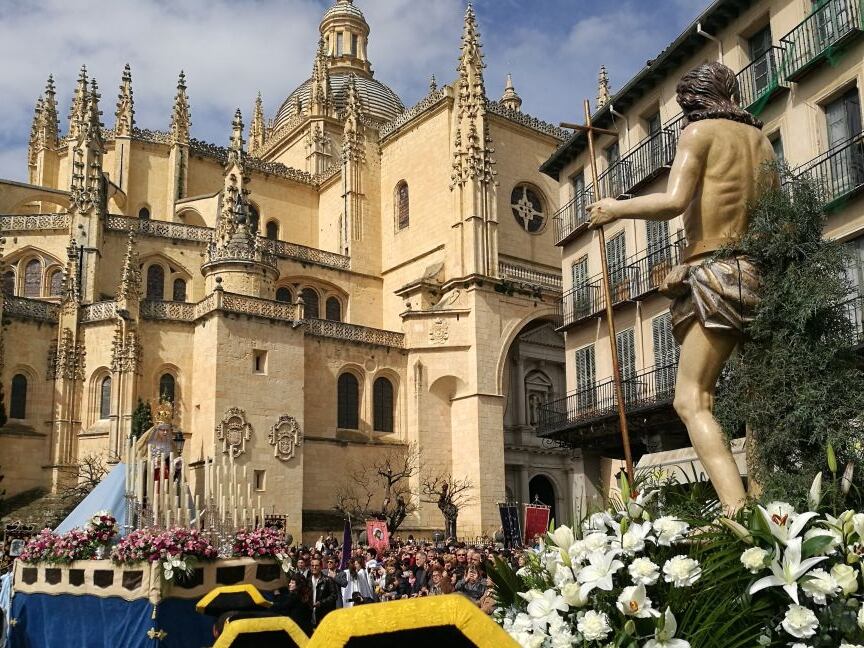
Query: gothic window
x=56, y=284
x=382, y=405
x=528, y=208
x=334, y=309
x=310, y=299
x=155, y=283
x=179, y=293
x=254, y=218
x=402, y=206
x=9, y=283
x=144, y=213
x=272, y=232
x=33, y=278
x=167, y=386
x=105, y=398
x=348, y=402
x=283, y=295
x=18, y=398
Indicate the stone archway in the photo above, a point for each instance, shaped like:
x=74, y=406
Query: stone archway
x=542, y=491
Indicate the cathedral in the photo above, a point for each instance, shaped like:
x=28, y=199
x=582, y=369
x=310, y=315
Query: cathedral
x=345, y=278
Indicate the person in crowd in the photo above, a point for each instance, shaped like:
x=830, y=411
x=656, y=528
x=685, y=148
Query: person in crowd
x=441, y=583
x=487, y=602
x=324, y=592
x=473, y=585
x=356, y=584
x=337, y=575
x=372, y=557
x=461, y=562
x=296, y=602
x=419, y=573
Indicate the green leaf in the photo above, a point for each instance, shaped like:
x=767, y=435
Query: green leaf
x=815, y=545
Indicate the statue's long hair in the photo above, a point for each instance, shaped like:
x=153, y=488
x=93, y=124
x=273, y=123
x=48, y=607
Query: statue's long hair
x=710, y=91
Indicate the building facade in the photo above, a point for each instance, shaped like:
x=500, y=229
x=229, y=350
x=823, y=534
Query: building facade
x=800, y=67
x=347, y=277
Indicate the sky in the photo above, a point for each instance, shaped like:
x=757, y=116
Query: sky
x=232, y=49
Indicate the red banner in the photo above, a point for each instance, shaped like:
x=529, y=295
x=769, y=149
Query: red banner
x=536, y=522
x=377, y=535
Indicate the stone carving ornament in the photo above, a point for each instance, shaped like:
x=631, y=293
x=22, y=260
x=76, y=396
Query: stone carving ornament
x=439, y=332
x=234, y=431
x=285, y=436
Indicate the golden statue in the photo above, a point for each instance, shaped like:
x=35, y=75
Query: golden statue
x=718, y=170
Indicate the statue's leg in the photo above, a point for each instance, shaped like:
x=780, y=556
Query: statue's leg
x=703, y=354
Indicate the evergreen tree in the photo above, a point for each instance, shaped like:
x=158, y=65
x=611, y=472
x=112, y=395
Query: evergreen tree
x=797, y=381
x=142, y=418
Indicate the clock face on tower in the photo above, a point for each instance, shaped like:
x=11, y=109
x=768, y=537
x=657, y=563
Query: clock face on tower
x=528, y=208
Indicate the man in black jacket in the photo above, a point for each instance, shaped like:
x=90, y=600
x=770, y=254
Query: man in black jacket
x=324, y=592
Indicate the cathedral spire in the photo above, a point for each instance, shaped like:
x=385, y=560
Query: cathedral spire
x=353, y=140
x=44, y=133
x=511, y=99
x=320, y=99
x=433, y=84
x=603, y=93
x=125, y=113
x=236, y=142
x=257, y=131
x=87, y=182
x=69, y=291
x=77, y=113
x=471, y=84
x=33, y=144
x=180, y=121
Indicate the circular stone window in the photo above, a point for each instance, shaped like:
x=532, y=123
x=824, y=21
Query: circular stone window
x=528, y=209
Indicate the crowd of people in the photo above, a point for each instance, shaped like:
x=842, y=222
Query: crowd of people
x=319, y=583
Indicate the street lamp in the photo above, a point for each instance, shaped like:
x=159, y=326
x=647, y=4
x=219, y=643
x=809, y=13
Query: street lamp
x=179, y=441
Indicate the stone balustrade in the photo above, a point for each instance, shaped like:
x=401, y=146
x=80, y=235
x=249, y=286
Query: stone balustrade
x=34, y=222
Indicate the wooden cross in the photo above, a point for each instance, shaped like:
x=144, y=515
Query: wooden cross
x=589, y=131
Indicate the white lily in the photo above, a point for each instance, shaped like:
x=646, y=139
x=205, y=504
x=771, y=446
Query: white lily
x=562, y=537
x=786, y=526
x=787, y=573
x=814, y=497
x=531, y=594
x=599, y=571
x=547, y=604
x=633, y=601
x=636, y=506
x=665, y=637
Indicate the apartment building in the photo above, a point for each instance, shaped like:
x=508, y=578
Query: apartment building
x=800, y=67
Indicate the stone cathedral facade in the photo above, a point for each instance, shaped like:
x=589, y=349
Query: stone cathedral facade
x=345, y=277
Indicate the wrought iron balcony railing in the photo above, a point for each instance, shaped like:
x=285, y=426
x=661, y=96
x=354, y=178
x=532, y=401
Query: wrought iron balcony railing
x=644, y=162
x=818, y=36
x=573, y=215
x=645, y=389
x=761, y=79
x=839, y=171
x=854, y=311
x=640, y=275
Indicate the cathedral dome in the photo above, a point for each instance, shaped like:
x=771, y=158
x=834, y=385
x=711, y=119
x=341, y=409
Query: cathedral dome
x=377, y=100
x=344, y=8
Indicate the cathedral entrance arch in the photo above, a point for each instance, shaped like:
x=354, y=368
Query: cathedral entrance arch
x=542, y=491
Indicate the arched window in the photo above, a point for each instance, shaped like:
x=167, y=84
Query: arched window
x=9, y=283
x=283, y=295
x=310, y=299
x=105, y=398
x=155, y=282
x=402, y=215
x=254, y=218
x=272, y=230
x=382, y=405
x=167, y=386
x=33, y=278
x=347, y=402
x=56, y=285
x=18, y=399
x=333, y=309
x=179, y=293
x=144, y=213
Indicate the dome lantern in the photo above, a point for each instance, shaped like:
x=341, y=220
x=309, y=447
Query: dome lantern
x=346, y=34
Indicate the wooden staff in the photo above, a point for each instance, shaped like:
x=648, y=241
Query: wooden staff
x=589, y=131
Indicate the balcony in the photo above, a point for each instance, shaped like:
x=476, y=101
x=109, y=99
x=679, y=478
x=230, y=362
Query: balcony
x=819, y=36
x=640, y=276
x=839, y=171
x=587, y=414
x=761, y=80
x=573, y=217
x=529, y=275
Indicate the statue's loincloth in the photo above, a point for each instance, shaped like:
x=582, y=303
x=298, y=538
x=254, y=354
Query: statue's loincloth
x=721, y=294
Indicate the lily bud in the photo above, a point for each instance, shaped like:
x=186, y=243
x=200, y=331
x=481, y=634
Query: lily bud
x=630, y=627
x=832, y=459
x=814, y=497
x=738, y=530
x=852, y=558
x=846, y=481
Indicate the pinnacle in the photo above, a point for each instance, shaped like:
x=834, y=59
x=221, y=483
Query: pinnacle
x=181, y=81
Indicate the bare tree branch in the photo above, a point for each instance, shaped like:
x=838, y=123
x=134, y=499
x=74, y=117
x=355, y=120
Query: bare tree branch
x=87, y=473
x=450, y=494
x=388, y=477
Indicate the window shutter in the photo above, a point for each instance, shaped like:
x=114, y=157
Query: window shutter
x=627, y=354
x=616, y=257
x=658, y=241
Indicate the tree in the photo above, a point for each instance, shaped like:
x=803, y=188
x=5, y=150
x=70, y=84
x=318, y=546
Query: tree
x=451, y=495
x=84, y=477
x=797, y=382
x=388, y=477
x=142, y=418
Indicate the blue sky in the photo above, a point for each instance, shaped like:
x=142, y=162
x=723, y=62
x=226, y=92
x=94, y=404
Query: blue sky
x=231, y=49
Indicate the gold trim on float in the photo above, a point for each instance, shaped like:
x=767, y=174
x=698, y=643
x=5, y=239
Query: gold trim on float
x=234, y=629
x=251, y=590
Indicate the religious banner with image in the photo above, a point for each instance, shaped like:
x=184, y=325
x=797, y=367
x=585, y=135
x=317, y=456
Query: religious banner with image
x=510, y=525
x=536, y=521
x=377, y=535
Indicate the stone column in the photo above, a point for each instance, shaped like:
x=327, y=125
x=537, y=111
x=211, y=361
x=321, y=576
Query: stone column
x=524, y=488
